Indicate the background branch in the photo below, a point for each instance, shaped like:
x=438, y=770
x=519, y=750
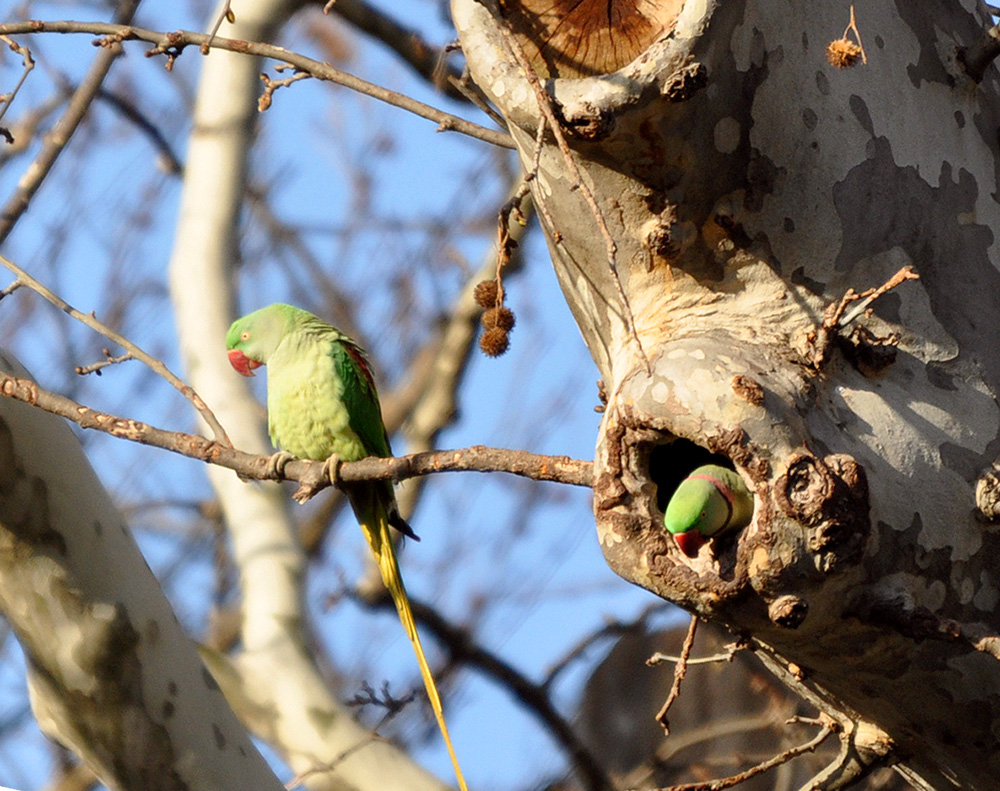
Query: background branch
x=175, y=42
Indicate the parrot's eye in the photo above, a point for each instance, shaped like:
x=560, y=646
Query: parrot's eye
x=245, y=335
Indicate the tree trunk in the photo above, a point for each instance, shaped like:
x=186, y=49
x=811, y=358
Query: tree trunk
x=747, y=184
x=274, y=684
x=111, y=673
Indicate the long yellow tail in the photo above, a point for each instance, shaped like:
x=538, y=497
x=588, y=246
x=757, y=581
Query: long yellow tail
x=382, y=547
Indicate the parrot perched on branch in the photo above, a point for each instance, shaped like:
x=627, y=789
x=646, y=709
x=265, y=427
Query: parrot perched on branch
x=710, y=501
x=322, y=405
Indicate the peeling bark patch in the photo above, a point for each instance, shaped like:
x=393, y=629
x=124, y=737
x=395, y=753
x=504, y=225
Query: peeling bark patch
x=860, y=110
x=929, y=67
x=685, y=82
x=988, y=496
x=24, y=501
x=588, y=123
x=882, y=206
x=762, y=175
x=822, y=83
x=748, y=389
x=727, y=135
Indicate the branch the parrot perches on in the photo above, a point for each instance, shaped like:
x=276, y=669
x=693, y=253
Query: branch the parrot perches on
x=322, y=403
x=710, y=501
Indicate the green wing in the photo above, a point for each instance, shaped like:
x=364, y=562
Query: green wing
x=360, y=396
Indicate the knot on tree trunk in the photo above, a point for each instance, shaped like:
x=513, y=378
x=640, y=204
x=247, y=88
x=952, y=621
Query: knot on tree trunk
x=829, y=497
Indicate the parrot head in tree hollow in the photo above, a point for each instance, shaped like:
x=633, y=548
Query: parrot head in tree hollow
x=710, y=501
x=322, y=403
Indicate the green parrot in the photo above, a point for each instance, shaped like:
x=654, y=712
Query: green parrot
x=321, y=404
x=711, y=500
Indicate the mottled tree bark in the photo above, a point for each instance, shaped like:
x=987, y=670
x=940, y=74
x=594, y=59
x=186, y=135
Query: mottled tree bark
x=111, y=673
x=747, y=184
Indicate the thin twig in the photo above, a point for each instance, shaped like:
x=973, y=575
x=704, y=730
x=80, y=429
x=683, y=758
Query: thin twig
x=727, y=656
x=55, y=142
x=172, y=44
x=28, y=62
x=270, y=86
x=392, y=706
x=96, y=368
x=614, y=629
x=157, y=365
x=549, y=117
x=463, y=647
x=869, y=296
x=770, y=763
x=478, y=458
x=227, y=14
x=679, y=672
x=834, y=318
x=170, y=162
x=852, y=27
x=11, y=289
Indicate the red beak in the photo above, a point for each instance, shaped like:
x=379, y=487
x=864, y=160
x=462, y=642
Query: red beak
x=243, y=364
x=690, y=542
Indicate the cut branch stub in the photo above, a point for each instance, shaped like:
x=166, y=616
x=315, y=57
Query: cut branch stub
x=576, y=39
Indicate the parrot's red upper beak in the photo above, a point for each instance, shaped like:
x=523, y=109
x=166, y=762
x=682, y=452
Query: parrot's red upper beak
x=690, y=542
x=243, y=364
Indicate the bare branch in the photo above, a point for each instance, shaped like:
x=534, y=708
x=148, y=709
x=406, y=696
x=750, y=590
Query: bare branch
x=726, y=656
x=549, y=117
x=157, y=365
x=427, y=60
x=96, y=368
x=679, y=672
x=478, y=458
x=29, y=63
x=834, y=319
x=225, y=13
x=172, y=44
x=770, y=763
x=56, y=141
x=463, y=647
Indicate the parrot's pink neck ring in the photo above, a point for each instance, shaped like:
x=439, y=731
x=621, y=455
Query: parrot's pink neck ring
x=724, y=490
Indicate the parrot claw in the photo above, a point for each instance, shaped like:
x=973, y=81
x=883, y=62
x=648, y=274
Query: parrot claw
x=331, y=469
x=276, y=464
x=329, y=472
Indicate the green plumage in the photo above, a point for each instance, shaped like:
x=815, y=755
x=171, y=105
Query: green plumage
x=322, y=401
x=711, y=500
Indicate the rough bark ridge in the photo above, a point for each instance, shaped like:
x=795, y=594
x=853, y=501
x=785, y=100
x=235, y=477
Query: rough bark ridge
x=747, y=185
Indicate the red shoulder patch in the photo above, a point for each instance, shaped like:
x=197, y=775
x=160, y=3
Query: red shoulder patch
x=360, y=360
